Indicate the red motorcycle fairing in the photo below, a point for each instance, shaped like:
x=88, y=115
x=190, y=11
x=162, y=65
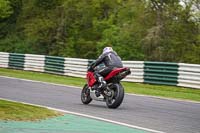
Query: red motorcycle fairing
x=114, y=73
x=92, y=80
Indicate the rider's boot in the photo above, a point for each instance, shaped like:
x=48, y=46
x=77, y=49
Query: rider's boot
x=102, y=85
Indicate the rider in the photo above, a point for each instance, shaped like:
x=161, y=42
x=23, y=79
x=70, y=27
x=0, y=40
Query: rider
x=111, y=60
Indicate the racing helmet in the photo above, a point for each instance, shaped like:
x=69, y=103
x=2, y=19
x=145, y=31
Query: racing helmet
x=107, y=49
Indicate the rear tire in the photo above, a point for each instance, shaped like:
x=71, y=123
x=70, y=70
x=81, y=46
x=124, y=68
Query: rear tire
x=85, y=95
x=118, y=95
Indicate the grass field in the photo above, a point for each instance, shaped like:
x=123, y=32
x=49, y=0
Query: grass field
x=22, y=112
x=136, y=88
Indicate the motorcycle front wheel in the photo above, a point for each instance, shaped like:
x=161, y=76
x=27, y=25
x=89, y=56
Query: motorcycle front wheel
x=85, y=95
x=117, y=96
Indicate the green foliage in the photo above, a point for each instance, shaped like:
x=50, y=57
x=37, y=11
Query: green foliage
x=5, y=9
x=174, y=34
x=47, y=4
x=137, y=29
x=16, y=45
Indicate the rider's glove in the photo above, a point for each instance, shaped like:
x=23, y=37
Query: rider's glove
x=92, y=67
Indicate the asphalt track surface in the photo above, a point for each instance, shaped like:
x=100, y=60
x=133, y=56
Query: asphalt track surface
x=169, y=116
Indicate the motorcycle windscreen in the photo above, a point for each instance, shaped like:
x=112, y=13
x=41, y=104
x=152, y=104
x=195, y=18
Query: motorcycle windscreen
x=91, y=79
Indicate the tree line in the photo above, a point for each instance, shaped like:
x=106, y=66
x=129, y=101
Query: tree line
x=150, y=30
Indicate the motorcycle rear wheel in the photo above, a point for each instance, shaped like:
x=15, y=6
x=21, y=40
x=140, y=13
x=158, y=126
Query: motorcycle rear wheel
x=117, y=96
x=85, y=95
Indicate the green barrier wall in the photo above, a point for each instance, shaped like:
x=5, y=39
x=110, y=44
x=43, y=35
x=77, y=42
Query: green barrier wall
x=54, y=64
x=16, y=61
x=161, y=73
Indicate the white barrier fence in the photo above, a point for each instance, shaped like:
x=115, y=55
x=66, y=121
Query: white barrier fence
x=4, y=59
x=180, y=74
x=137, y=71
x=75, y=67
x=189, y=75
x=34, y=62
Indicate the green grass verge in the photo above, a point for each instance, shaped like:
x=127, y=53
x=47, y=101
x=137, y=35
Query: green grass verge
x=163, y=91
x=22, y=112
x=137, y=88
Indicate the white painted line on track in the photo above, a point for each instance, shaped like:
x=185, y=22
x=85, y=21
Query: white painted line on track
x=89, y=116
x=130, y=94
x=164, y=98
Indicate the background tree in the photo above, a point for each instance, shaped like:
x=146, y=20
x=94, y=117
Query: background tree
x=5, y=9
x=153, y=30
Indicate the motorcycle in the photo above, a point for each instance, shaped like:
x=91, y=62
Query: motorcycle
x=112, y=94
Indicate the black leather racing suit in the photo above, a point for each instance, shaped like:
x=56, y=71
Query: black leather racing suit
x=111, y=60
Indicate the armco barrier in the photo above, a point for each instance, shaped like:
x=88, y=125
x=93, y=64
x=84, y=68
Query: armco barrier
x=4, y=59
x=16, y=61
x=179, y=74
x=75, y=67
x=137, y=71
x=54, y=64
x=189, y=75
x=34, y=62
x=161, y=73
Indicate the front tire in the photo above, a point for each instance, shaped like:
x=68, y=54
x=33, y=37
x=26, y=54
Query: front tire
x=117, y=96
x=85, y=95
